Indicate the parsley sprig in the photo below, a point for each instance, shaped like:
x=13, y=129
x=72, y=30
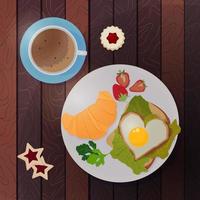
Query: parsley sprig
x=91, y=154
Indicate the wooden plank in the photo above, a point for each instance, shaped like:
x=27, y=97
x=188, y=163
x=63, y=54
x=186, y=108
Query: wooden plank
x=149, y=26
x=77, y=13
x=8, y=100
x=125, y=16
x=29, y=105
x=173, y=77
x=101, y=16
x=192, y=98
x=53, y=97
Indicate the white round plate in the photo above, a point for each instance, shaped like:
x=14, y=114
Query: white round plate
x=85, y=92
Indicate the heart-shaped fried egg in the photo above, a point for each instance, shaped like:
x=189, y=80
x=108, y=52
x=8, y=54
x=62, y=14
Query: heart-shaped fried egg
x=142, y=139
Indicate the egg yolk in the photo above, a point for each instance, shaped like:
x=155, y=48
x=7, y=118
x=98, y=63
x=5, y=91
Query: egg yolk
x=138, y=137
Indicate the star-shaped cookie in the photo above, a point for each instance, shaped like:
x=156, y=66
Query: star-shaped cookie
x=41, y=169
x=31, y=156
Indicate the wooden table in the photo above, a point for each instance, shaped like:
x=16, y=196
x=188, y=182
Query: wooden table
x=162, y=36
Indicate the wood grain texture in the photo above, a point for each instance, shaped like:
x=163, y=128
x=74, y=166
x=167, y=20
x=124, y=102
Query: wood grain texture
x=173, y=77
x=29, y=106
x=149, y=35
x=39, y=105
x=101, y=16
x=125, y=17
x=77, y=13
x=192, y=98
x=53, y=97
x=8, y=100
x=149, y=26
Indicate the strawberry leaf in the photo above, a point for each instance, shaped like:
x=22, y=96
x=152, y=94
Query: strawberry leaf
x=121, y=72
x=122, y=97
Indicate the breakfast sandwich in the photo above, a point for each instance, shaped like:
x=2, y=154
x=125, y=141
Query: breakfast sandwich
x=144, y=132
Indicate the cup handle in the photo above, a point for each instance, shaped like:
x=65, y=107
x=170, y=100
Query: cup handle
x=82, y=53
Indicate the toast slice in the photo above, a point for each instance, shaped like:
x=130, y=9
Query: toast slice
x=160, y=114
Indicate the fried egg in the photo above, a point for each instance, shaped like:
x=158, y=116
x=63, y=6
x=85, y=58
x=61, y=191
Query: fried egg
x=142, y=139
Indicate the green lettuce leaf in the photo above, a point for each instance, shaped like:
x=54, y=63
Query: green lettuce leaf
x=122, y=152
x=139, y=105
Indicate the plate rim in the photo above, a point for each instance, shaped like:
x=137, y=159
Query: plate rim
x=163, y=160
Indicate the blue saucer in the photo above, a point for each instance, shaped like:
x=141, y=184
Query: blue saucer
x=42, y=76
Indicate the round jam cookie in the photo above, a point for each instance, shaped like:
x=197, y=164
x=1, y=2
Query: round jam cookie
x=112, y=38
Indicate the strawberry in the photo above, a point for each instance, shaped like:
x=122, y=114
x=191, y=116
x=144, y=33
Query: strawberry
x=119, y=92
x=138, y=86
x=123, y=78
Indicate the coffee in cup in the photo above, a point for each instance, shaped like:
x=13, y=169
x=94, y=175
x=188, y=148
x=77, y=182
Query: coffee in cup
x=53, y=50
